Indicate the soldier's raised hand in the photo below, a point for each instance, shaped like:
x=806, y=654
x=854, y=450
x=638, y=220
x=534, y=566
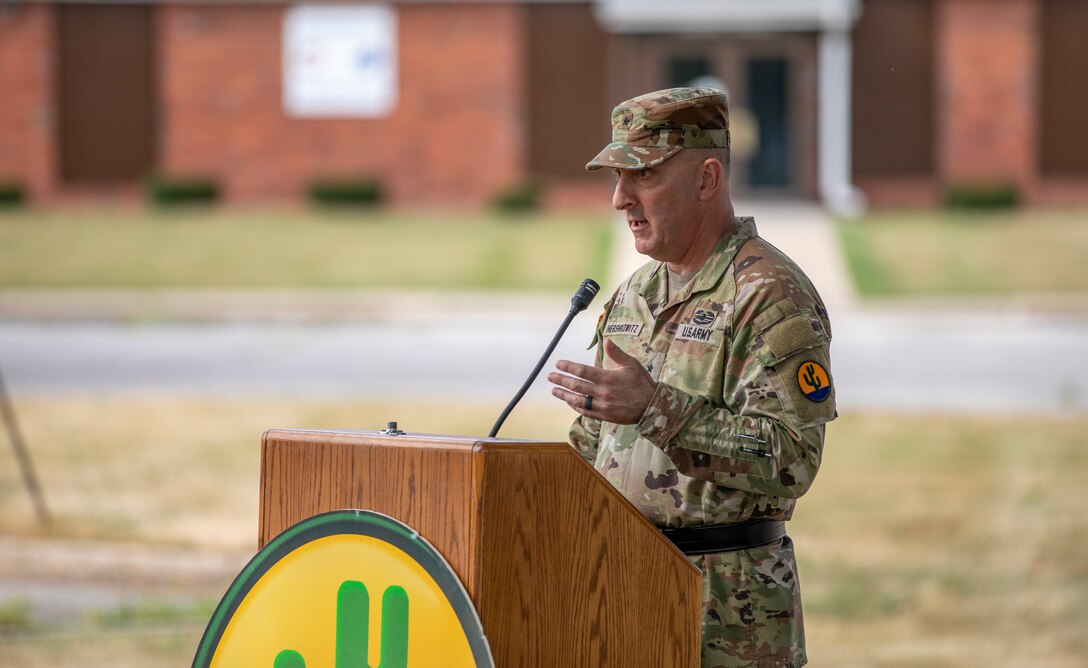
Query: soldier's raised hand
x=619, y=395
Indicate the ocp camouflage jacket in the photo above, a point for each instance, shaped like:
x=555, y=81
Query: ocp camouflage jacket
x=741, y=357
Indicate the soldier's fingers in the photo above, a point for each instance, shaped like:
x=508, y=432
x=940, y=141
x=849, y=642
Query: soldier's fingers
x=573, y=399
x=571, y=383
x=590, y=373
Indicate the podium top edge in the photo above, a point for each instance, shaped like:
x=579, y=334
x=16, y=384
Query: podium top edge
x=371, y=436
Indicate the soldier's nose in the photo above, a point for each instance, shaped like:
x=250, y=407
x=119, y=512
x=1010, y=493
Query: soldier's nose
x=621, y=196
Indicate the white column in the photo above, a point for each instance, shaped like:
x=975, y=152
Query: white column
x=836, y=191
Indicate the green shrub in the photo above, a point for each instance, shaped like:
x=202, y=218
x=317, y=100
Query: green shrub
x=174, y=191
x=520, y=197
x=975, y=196
x=15, y=615
x=11, y=195
x=365, y=192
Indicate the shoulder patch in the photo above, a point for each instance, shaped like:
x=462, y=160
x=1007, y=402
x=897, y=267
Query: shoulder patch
x=814, y=381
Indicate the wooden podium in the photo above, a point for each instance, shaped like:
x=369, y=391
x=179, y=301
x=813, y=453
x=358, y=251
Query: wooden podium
x=562, y=570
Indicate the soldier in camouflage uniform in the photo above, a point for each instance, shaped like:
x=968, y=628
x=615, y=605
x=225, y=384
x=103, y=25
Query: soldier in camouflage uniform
x=711, y=388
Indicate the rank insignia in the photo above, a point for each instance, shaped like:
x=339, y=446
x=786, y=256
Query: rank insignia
x=813, y=380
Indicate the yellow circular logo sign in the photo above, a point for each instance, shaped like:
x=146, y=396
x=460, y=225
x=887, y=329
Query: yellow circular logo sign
x=345, y=589
x=813, y=380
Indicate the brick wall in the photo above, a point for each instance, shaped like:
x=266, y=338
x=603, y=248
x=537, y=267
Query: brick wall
x=986, y=68
x=458, y=133
x=455, y=136
x=27, y=114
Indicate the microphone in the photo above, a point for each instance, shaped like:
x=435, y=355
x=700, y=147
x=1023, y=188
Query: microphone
x=578, y=303
x=585, y=294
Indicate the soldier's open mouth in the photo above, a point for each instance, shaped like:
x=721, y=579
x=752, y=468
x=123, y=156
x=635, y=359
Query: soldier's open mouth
x=636, y=224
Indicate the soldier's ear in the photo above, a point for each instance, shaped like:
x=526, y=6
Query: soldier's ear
x=711, y=179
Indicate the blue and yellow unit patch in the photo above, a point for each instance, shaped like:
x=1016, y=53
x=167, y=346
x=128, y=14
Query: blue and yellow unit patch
x=814, y=381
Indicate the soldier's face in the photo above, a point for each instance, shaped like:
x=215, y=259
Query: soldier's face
x=659, y=203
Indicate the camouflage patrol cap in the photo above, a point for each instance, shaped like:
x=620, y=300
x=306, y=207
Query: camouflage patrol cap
x=650, y=128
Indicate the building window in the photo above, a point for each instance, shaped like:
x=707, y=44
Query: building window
x=686, y=70
x=768, y=95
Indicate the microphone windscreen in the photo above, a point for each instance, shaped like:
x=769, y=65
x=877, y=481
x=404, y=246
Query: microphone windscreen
x=585, y=294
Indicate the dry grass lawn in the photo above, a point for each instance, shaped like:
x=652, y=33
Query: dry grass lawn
x=228, y=248
x=186, y=470
x=1035, y=252
x=139, y=646
x=944, y=542
x=935, y=542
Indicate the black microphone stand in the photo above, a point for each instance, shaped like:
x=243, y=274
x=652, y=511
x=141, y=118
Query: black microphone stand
x=578, y=303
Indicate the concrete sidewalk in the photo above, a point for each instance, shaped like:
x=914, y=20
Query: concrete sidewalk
x=802, y=230
x=806, y=232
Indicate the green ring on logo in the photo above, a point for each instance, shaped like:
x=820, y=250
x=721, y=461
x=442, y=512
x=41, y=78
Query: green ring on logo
x=361, y=523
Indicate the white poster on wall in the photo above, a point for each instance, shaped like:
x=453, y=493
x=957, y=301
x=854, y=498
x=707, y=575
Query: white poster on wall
x=339, y=61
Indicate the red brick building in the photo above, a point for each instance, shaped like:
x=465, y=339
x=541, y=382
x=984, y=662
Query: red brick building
x=893, y=100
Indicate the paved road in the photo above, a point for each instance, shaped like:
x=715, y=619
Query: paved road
x=486, y=359
x=961, y=361
x=902, y=360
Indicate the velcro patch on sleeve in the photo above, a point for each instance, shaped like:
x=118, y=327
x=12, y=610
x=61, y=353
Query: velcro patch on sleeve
x=795, y=353
x=798, y=332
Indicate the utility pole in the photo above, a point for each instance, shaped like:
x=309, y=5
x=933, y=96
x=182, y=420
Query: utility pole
x=21, y=453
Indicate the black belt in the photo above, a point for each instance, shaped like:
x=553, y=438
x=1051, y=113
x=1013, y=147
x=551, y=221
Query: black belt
x=726, y=537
